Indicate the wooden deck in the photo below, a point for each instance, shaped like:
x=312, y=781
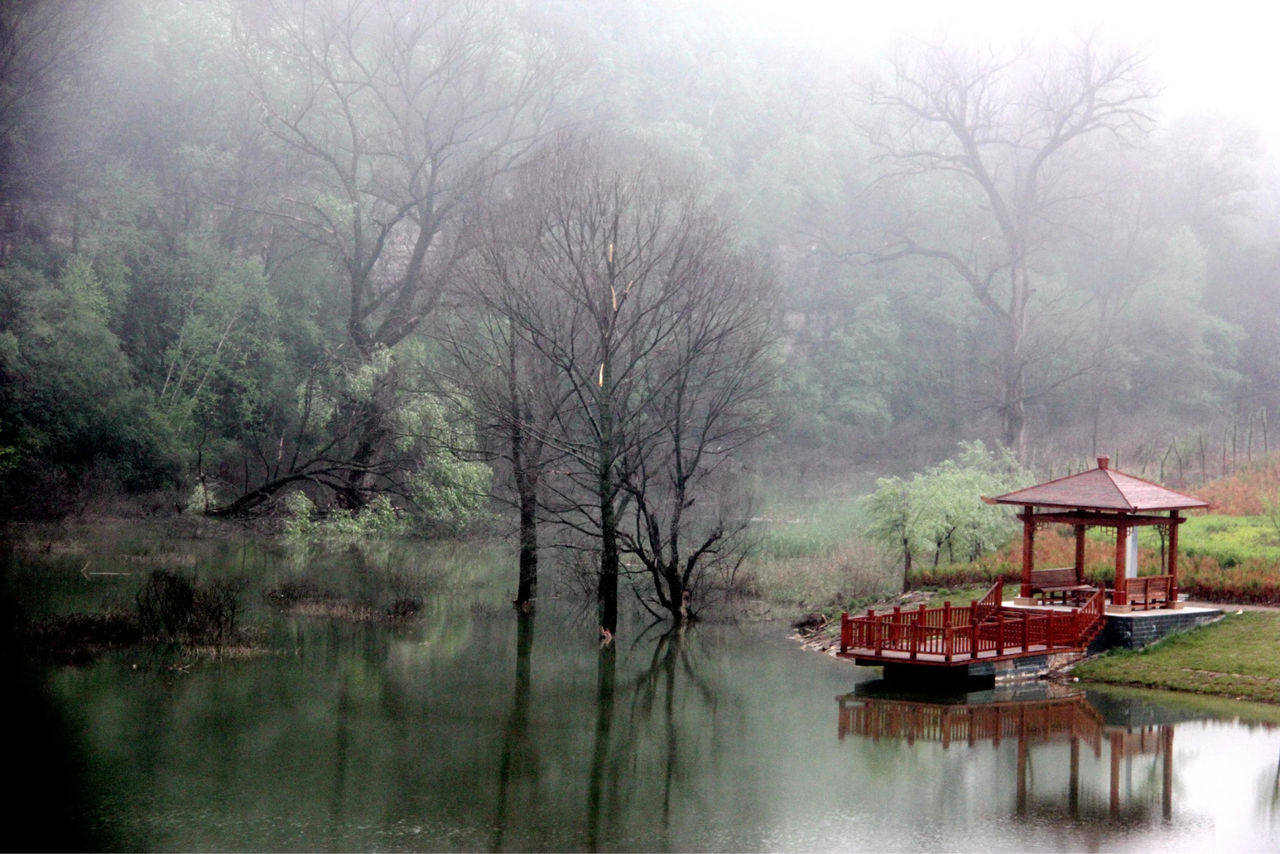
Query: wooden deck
x=982, y=631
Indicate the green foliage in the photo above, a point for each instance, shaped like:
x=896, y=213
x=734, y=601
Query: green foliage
x=379, y=518
x=451, y=493
x=155, y=320
x=892, y=512
x=941, y=510
x=220, y=369
x=68, y=403
x=300, y=516
x=836, y=380
x=1271, y=512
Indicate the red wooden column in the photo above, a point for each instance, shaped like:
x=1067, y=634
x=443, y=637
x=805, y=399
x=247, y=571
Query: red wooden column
x=1175, y=521
x=1028, y=554
x=1120, y=597
x=1079, y=554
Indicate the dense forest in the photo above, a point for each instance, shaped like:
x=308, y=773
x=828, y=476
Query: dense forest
x=597, y=261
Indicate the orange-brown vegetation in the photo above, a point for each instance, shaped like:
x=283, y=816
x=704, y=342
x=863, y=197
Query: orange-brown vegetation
x=1246, y=492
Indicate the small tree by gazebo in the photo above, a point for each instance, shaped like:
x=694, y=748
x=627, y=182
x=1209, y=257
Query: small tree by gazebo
x=1108, y=498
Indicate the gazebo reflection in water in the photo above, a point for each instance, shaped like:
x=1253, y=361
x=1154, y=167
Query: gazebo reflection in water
x=1033, y=718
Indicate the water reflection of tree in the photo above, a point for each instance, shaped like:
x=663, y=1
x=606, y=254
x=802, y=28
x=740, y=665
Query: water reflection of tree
x=1269, y=793
x=519, y=759
x=600, y=776
x=657, y=732
x=656, y=690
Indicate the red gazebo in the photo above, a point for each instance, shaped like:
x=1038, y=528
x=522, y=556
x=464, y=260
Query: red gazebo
x=1108, y=498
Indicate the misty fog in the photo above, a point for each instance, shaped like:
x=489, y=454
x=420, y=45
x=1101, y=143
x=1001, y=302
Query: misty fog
x=255, y=246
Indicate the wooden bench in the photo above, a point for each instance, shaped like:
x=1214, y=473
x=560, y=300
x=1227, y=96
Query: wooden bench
x=1148, y=591
x=1058, y=584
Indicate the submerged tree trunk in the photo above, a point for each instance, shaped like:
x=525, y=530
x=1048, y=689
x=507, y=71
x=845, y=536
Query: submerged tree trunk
x=527, y=590
x=607, y=582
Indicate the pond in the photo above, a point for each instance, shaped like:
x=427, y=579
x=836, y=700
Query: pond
x=467, y=727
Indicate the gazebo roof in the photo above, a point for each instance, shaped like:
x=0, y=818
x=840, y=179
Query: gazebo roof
x=1102, y=488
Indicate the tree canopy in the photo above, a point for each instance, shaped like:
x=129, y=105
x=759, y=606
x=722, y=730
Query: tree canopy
x=579, y=256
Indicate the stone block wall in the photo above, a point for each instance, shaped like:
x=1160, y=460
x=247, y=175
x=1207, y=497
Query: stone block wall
x=1134, y=631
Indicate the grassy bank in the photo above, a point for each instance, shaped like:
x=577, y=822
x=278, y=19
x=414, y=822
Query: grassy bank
x=1235, y=657
x=809, y=557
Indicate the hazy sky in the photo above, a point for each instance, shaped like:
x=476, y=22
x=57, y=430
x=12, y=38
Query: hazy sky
x=1213, y=57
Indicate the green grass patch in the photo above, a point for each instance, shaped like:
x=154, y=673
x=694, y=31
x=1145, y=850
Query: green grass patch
x=1229, y=540
x=1235, y=657
x=819, y=529
x=959, y=596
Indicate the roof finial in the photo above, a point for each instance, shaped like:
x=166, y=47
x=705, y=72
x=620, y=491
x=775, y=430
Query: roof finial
x=1103, y=461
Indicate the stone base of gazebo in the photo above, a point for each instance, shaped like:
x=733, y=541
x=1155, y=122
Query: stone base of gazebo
x=1136, y=629
x=1139, y=628
x=1129, y=609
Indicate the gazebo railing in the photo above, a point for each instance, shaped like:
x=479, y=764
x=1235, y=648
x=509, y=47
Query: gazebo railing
x=983, y=627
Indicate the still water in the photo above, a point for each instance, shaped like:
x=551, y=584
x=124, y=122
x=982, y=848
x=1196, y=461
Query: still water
x=468, y=728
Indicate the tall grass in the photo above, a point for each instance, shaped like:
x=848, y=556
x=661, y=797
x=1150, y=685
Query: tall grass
x=809, y=555
x=808, y=531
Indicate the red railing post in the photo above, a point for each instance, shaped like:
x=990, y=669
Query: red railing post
x=922, y=628
x=846, y=632
x=1000, y=635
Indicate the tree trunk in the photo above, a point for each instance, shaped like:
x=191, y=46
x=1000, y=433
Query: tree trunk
x=526, y=495
x=607, y=587
x=606, y=490
x=906, y=565
x=527, y=591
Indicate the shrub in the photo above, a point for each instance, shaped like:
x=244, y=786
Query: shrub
x=202, y=499
x=378, y=518
x=172, y=607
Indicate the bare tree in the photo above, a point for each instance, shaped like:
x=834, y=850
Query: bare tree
x=708, y=396
x=658, y=331
x=1003, y=145
x=45, y=45
x=517, y=395
x=399, y=114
